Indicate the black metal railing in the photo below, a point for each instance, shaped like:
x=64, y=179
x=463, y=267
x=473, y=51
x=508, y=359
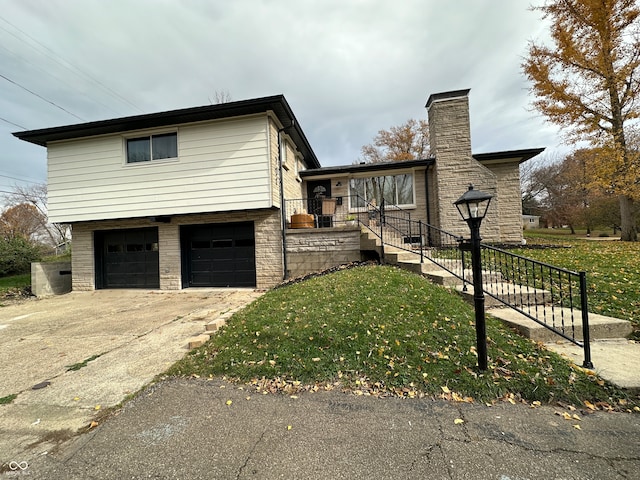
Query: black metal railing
x=553, y=297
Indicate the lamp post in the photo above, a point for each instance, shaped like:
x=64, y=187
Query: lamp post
x=473, y=206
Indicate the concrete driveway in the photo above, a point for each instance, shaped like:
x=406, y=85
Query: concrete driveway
x=118, y=340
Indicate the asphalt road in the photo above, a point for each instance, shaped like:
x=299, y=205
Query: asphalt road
x=196, y=429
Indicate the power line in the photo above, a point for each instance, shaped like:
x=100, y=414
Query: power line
x=23, y=179
x=14, y=124
x=69, y=66
x=61, y=80
x=42, y=98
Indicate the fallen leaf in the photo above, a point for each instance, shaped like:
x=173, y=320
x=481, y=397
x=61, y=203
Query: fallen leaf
x=458, y=421
x=289, y=427
x=229, y=402
x=590, y=405
x=93, y=424
x=577, y=427
x=97, y=407
x=445, y=389
x=75, y=399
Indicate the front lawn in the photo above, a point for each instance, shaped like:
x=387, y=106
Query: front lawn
x=382, y=331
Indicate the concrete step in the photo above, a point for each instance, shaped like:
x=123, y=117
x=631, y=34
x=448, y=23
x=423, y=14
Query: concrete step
x=513, y=294
x=600, y=326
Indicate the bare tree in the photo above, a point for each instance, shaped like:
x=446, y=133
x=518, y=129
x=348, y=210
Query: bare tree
x=220, y=96
x=35, y=197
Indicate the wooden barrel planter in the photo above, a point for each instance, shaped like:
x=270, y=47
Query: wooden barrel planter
x=302, y=220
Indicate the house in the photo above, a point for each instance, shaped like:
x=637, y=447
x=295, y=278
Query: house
x=530, y=221
x=205, y=196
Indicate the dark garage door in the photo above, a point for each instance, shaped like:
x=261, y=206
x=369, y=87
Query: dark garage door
x=219, y=255
x=127, y=258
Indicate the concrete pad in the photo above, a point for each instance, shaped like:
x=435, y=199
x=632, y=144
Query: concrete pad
x=119, y=340
x=615, y=360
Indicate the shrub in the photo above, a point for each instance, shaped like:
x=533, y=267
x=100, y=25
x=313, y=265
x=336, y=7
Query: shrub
x=16, y=255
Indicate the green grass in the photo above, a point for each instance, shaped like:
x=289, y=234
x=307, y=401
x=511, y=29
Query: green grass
x=14, y=281
x=78, y=366
x=8, y=399
x=613, y=272
x=382, y=331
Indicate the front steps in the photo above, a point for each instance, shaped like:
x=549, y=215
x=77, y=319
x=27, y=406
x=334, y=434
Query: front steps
x=600, y=326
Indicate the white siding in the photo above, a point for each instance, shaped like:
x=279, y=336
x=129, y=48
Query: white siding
x=221, y=166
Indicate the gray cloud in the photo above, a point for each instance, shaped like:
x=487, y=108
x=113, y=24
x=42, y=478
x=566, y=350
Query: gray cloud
x=348, y=68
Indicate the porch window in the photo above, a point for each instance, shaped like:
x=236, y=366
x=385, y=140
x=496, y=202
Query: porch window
x=152, y=147
x=394, y=189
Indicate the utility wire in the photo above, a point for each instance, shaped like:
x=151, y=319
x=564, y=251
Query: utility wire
x=61, y=80
x=23, y=179
x=14, y=124
x=42, y=98
x=65, y=63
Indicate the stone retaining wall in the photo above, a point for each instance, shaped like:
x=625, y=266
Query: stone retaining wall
x=313, y=250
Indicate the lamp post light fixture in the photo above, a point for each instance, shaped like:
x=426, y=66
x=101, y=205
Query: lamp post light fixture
x=473, y=206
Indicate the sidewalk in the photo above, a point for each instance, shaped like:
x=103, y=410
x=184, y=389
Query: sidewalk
x=211, y=429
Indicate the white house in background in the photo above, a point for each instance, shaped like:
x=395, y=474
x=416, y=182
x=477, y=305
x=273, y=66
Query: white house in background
x=196, y=197
x=530, y=221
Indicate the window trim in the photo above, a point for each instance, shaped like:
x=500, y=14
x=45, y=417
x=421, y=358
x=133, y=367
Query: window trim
x=149, y=135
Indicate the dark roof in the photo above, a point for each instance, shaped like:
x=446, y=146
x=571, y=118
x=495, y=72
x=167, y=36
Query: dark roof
x=519, y=155
x=277, y=103
x=494, y=157
x=366, y=167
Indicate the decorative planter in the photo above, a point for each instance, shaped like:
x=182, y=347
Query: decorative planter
x=302, y=220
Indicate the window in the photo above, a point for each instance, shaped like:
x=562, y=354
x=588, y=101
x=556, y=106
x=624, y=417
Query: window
x=394, y=189
x=152, y=147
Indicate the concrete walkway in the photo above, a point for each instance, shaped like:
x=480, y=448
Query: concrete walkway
x=69, y=357
x=202, y=430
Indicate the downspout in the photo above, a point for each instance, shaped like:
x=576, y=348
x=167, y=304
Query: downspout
x=283, y=213
x=426, y=193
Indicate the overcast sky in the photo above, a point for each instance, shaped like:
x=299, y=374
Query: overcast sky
x=348, y=68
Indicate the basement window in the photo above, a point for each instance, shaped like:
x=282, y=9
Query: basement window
x=152, y=147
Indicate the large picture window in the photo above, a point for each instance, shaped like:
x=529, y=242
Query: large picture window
x=394, y=189
x=152, y=147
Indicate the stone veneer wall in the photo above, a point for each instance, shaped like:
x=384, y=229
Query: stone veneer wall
x=455, y=168
x=509, y=203
x=267, y=235
x=313, y=250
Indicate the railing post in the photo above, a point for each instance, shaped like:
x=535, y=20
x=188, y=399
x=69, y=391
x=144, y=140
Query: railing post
x=421, y=243
x=381, y=240
x=585, y=321
x=410, y=236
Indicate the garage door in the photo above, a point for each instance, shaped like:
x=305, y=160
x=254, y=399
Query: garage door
x=219, y=255
x=127, y=258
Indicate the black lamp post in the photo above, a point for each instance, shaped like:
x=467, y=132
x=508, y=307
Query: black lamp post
x=473, y=206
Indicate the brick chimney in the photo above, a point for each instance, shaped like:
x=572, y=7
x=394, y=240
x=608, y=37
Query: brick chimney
x=455, y=168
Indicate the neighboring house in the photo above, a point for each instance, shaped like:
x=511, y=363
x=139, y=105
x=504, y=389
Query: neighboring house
x=194, y=197
x=530, y=221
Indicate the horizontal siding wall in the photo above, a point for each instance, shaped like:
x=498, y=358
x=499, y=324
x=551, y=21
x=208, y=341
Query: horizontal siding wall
x=221, y=166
